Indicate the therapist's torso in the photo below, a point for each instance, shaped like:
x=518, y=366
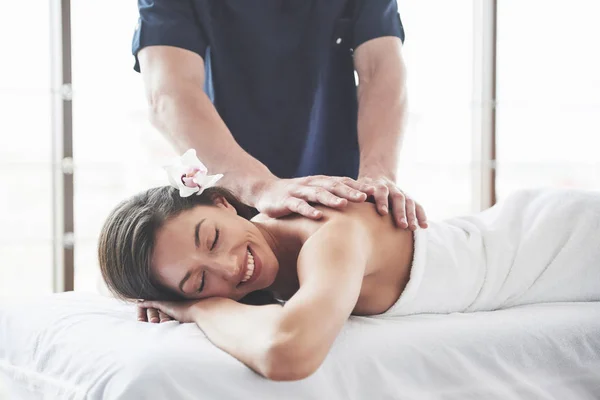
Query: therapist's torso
x=279, y=72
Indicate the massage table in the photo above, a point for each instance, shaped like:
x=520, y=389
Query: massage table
x=87, y=346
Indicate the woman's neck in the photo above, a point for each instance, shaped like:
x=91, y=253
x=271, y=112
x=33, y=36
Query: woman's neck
x=285, y=236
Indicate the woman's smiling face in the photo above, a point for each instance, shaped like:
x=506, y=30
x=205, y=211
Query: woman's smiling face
x=210, y=251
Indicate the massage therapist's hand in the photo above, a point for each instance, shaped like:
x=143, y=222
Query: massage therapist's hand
x=163, y=311
x=285, y=196
x=407, y=212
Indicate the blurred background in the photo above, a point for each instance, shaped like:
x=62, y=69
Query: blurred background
x=504, y=95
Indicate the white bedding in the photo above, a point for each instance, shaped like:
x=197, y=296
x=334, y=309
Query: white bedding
x=83, y=346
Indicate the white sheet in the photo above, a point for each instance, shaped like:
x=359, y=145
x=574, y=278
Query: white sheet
x=83, y=346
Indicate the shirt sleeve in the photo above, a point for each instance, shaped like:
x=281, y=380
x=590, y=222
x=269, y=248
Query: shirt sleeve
x=376, y=18
x=169, y=23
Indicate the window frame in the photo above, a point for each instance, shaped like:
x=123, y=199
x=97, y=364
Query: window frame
x=62, y=147
x=484, y=103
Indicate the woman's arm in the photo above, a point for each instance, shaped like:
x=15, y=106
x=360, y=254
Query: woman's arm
x=291, y=342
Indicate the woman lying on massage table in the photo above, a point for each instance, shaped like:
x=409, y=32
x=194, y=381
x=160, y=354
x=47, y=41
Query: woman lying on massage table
x=199, y=259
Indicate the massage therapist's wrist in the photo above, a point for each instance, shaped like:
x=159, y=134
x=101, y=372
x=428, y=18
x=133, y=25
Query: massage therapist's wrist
x=256, y=186
x=248, y=183
x=370, y=171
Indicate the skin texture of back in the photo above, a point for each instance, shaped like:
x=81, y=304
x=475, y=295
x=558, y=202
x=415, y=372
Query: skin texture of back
x=388, y=267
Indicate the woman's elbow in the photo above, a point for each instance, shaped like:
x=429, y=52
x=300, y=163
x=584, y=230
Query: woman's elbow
x=287, y=372
x=290, y=363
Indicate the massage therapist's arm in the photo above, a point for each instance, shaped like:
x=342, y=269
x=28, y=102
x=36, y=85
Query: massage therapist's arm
x=174, y=81
x=291, y=342
x=382, y=114
x=382, y=105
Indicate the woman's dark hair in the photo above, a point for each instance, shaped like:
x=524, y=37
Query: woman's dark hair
x=127, y=240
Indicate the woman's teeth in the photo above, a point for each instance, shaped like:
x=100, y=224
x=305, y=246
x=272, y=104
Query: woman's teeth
x=250, y=267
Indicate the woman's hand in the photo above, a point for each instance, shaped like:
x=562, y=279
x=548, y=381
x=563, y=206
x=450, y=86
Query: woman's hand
x=164, y=311
x=151, y=315
x=286, y=196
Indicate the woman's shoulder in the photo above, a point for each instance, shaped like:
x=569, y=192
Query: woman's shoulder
x=365, y=212
x=353, y=213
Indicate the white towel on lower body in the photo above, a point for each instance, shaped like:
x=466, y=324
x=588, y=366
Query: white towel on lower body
x=536, y=246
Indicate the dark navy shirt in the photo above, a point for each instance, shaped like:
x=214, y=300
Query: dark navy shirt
x=279, y=72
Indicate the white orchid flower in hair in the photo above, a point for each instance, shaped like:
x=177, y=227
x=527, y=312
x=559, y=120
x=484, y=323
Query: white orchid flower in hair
x=189, y=175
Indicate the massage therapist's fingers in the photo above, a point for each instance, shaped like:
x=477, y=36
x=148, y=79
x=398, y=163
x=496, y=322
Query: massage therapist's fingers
x=381, y=199
x=411, y=214
x=141, y=314
x=303, y=208
x=398, y=203
x=163, y=317
x=317, y=194
x=364, y=187
x=343, y=187
x=153, y=315
x=346, y=188
x=421, y=216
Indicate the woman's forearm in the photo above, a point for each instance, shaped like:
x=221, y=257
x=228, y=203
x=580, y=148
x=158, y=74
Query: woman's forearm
x=278, y=343
x=246, y=332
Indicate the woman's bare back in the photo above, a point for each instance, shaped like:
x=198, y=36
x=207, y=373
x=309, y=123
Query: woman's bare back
x=388, y=267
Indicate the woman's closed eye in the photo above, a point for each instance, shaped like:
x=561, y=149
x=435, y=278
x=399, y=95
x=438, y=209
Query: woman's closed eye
x=203, y=282
x=216, y=240
x=214, y=244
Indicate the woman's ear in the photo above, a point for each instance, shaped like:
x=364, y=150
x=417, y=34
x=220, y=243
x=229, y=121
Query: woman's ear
x=222, y=202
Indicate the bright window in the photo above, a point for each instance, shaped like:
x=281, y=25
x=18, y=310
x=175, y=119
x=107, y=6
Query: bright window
x=548, y=94
x=117, y=152
x=436, y=158
x=26, y=255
